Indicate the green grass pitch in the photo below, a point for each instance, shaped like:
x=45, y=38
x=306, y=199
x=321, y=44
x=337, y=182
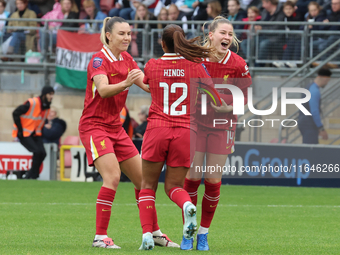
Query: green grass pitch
x=54, y=217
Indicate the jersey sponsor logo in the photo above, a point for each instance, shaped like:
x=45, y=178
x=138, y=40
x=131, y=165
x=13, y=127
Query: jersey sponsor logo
x=205, y=68
x=97, y=62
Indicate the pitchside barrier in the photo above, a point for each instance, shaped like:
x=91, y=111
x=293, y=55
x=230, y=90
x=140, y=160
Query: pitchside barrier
x=250, y=164
x=15, y=160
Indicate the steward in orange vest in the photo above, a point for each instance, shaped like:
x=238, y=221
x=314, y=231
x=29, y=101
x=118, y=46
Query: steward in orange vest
x=29, y=119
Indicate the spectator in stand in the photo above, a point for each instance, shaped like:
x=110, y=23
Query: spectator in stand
x=66, y=9
x=292, y=50
x=214, y=9
x=93, y=14
x=70, y=11
x=123, y=9
x=311, y=126
x=3, y=15
x=143, y=116
x=325, y=4
x=54, y=127
x=302, y=6
x=200, y=10
x=236, y=13
x=176, y=14
x=315, y=14
x=55, y=14
x=253, y=14
x=19, y=35
x=162, y=16
x=142, y=13
x=333, y=17
x=270, y=44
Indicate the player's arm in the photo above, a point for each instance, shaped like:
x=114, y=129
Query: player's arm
x=223, y=108
x=20, y=110
x=102, y=83
x=139, y=82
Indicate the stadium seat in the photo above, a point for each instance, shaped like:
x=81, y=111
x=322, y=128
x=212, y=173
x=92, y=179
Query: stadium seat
x=69, y=140
x=106, y=5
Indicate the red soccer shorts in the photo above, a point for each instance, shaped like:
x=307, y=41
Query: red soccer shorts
x=175, y=145
x=98, y=142
x=215, y=141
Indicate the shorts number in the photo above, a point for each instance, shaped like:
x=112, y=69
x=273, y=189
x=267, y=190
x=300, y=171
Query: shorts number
x=173, y=88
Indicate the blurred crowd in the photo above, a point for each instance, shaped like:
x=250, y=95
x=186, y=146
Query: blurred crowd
x=18, y=41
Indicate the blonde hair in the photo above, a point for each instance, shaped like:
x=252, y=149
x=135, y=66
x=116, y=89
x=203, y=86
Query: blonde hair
x=212, y=27
x=88, y=3
x=147, y=15
x=160, y=26
x=216, y=8
x=108, y=24
x=53, y=108
x=74, y=7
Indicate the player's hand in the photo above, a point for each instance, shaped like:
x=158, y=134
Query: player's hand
x=223, y=108
x=132, y=77
x=324, y=135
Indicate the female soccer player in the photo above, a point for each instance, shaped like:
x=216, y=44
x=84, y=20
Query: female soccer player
x=216, y=142
x=110, y=74
x=169, y=129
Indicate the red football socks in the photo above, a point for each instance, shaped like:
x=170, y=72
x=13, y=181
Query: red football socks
x=103, y=208
x=179, y=196
x=147, y=209
x=191, y=187
x=209, y=203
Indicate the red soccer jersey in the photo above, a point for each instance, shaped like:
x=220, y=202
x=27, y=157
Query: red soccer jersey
x=105, y=112
x=173, y=82
x=232, y=69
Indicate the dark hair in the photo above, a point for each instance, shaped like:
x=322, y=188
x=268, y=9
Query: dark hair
x=237, y=1
x=174, y=39
x=3, y=3
x=23, y=1
x=107, y=27
x=324, y=72
x=289, y=3
x=273, y=2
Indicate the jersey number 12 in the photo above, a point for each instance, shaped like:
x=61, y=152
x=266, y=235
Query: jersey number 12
x=173, y=107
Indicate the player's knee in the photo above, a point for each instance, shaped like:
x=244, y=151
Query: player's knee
x=111, y=180
x=213, y=180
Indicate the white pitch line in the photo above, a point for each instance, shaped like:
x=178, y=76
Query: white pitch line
x=173, y=205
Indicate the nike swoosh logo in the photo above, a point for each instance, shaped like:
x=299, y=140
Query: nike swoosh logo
x=213, y=205
x=114, y=74
x=104, y=210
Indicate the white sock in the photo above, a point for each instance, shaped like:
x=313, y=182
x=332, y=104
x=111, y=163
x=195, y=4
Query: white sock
x=185, y=204
x=100, y=237
x=202, y=230
x=157, y=233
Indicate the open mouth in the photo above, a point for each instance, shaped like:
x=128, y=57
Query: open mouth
x=224, y=45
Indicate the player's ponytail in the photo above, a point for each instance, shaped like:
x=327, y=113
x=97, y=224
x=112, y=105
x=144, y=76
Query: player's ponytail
x=174, y=39
x=108, y=24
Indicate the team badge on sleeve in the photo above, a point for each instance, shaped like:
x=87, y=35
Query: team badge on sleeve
x=97, y=62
